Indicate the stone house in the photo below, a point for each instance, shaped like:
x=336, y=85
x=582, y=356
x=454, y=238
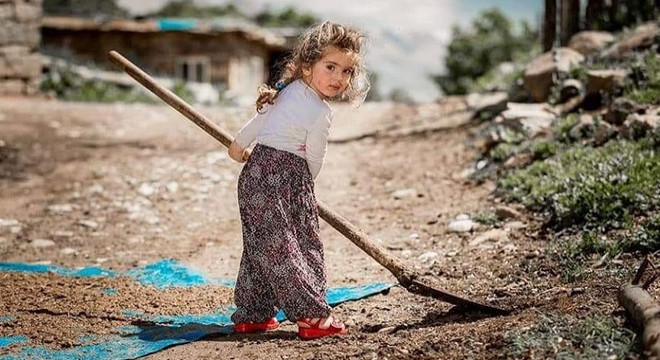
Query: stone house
x=232, y=56
x=20, y=62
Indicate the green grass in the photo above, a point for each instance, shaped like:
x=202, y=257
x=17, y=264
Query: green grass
x=562, y=128
x=647, y=91
x=588, y=187
x=486, y=217
x=68, y=86
x=556, y=336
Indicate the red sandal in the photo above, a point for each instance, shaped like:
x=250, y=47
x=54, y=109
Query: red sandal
x=251, y=327
x=314, y=331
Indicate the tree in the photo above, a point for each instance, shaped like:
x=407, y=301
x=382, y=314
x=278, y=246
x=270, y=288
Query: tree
x=614, y=15
x=287, y=17
x=570, y=20
x=549, y=24
x=187, y=8
x=87, y=8
x=473, y=53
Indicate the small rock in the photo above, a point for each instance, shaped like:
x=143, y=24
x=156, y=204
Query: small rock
x=428, y=256
x=482, y=164
x=462, y=217
x=9, y=222
x=101, y=260
x=403, y=193
x=16, y=229
x=406, y=253
x=604, y=132
x=146, y=190
x=62, y=234
x=42, y=243
x=515, y=225
x=460, y=226
x=414, y=236
x=532, y=255
x=509, y=248
x=60, y=208
x=387, y=330
x=451, y=253
x=495, y=235
x=518, y=161
x=135, y=240
x=214, y=156
x=96, y=189
x=88, y=224
x=68, y=251
x=172, y=186
x=505, y=212
x=151, y=219
x=3, y=240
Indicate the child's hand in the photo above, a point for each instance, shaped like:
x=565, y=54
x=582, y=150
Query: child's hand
x=246, y=154
x=237, y=153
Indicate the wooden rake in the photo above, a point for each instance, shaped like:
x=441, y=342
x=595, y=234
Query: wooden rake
x=406, y=275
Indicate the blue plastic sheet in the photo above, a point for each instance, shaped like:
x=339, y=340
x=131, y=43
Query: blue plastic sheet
x=176, y=24
x=162, y=331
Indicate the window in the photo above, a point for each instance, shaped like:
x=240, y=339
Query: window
x=193, y=69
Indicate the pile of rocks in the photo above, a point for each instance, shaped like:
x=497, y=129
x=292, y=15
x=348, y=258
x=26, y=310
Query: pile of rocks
x=20, y=63
x=592, y=102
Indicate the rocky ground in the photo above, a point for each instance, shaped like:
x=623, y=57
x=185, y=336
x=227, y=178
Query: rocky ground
x=121, y=186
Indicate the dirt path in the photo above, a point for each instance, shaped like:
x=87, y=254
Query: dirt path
x=125, y=185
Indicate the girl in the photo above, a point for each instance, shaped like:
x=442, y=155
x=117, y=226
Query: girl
x=282, y=263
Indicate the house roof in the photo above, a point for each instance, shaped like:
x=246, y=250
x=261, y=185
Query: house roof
x=212, y=26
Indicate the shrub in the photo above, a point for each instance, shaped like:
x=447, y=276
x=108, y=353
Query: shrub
x=647, y=89
x=598, y=188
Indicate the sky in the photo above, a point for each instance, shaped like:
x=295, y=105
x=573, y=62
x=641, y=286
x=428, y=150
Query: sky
x=407, y=38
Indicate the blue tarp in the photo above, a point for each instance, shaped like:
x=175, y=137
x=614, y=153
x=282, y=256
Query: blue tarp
x=163, y=331
x=176, y=24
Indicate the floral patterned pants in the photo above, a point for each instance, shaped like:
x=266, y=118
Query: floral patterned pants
x=282, y=263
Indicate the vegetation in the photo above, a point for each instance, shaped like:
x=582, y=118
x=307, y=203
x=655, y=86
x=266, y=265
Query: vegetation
x=647, y=89
x=67, y=85
x=591, y=187
x=87, y=8
x=567, y=337
x=188, y=9
x=471, y=54
x=617, y=15
x=286, y=18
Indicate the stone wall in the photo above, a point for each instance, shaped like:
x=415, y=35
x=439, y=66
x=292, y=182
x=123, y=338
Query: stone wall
x=20, y=62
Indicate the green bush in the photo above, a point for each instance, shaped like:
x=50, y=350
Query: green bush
x=543, y=149
x=645, y=238
x=562, y=128
x=647, y=89
x=472, y=54
x=502, y=151
x=557, y=336
x=67, y=85
x=594, y=187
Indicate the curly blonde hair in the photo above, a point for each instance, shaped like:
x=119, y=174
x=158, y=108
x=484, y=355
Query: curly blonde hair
x=310, y=49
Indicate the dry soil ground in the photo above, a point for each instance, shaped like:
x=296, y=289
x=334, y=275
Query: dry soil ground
x=121, y=186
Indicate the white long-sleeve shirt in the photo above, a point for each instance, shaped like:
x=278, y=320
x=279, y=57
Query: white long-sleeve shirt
x=298, y=122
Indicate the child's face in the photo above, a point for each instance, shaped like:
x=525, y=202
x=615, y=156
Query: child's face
x=331, y=74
